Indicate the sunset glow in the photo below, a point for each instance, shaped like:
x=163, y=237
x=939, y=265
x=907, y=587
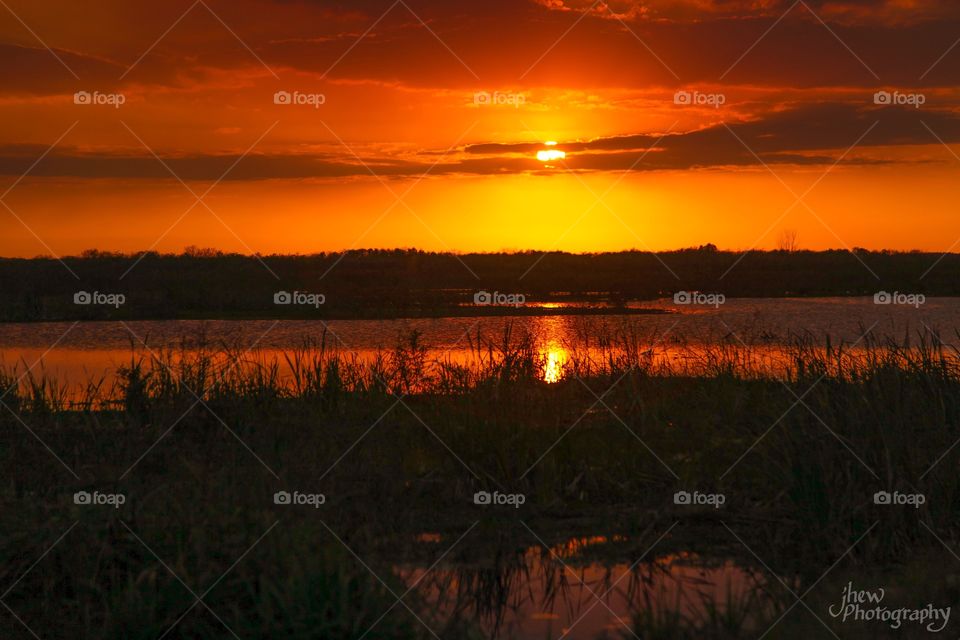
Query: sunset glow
x=318, y=116
x=540, y=318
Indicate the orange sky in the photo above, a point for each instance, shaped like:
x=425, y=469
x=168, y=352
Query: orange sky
x=430, y=115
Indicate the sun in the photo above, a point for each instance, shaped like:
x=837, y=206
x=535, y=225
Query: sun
x=548, y=155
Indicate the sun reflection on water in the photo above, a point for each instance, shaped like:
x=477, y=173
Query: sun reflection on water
x=552, y=333
x=555, y=357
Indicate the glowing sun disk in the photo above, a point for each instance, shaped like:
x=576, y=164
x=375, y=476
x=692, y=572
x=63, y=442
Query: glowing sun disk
x=546, y=155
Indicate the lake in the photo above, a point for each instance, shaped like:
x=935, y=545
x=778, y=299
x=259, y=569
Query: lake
x=75, y=353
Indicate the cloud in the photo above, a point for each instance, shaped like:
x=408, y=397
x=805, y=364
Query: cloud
x=37, y=71
x=806, y=134
x=840, y=11
x=803, y=134
x=522, y=43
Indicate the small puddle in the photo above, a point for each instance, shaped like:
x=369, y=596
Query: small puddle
x=570, y=591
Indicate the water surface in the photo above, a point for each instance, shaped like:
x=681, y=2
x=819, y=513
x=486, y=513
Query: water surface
x=76, y=353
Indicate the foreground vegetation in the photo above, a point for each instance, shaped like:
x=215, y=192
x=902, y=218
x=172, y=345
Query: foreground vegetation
x=199, y=442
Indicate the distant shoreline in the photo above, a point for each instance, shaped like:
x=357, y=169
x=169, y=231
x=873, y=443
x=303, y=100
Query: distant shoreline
x=452, y=312
x=380, y=284
x=462, y=311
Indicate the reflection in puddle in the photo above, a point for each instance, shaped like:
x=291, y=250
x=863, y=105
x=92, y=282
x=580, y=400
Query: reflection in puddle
x=566, y=592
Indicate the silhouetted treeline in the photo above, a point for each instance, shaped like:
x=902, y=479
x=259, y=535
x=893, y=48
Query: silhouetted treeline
x=391, y=283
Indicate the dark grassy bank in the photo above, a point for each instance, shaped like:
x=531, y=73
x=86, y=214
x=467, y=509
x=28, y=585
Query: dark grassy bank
x=398, y=283
x=399, y=446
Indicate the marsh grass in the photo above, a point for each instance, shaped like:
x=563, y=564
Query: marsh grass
x=200, y=436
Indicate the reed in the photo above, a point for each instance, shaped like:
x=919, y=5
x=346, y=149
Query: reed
x=200, y=437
